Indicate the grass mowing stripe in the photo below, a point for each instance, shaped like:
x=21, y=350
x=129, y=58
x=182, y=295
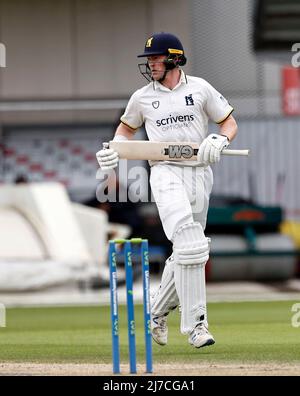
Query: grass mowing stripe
x=244, y=332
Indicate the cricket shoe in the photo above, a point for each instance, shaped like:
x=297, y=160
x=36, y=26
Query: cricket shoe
x=159, y=329
x=201, y=337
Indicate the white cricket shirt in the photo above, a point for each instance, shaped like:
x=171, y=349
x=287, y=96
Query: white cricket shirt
x=180, y=114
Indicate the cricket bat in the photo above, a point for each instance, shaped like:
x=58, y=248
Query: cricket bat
x=161, y=151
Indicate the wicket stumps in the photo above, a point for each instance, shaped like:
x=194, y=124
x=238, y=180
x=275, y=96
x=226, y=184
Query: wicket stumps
x=130, y=303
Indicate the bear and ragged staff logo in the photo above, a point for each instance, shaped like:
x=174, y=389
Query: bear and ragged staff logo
x=189, y=101
x=149, y=42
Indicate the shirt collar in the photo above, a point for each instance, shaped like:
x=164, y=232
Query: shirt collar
x=182, y=80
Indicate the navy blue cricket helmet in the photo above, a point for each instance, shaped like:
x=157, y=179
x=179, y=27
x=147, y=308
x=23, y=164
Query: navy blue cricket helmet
x=163, y=44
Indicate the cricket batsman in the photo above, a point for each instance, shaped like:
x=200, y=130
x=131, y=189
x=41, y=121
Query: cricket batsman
x=177, y=107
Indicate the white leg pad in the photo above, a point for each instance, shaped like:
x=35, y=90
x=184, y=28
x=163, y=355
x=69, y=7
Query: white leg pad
x=166, y=298
x=191, y=251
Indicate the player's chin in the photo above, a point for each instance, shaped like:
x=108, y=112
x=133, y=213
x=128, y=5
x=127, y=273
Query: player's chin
x=156, y=76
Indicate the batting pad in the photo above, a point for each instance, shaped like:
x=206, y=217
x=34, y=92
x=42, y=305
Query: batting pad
x=190, y=286
x=166, y=298
x=190, y=247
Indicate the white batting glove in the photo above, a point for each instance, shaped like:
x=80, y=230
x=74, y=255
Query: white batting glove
x=107, y=158
x=211, y=147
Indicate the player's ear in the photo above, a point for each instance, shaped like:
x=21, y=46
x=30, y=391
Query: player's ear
x=182, y=60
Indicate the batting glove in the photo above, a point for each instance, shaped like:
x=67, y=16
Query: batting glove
x=211, y=147
x=107, y=158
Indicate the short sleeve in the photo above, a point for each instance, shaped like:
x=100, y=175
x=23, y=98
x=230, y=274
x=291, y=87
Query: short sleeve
x=132, y=116
x=217, y=107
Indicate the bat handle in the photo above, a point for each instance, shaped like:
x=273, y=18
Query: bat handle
x=105, y=145
x=235, y=152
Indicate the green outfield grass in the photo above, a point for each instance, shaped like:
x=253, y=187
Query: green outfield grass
x=244, y=332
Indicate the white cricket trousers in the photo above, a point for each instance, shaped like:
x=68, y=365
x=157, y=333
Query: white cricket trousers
x=181, y=194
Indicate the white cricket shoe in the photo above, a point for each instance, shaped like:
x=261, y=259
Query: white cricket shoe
x=159, y=329
x=201, y=337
